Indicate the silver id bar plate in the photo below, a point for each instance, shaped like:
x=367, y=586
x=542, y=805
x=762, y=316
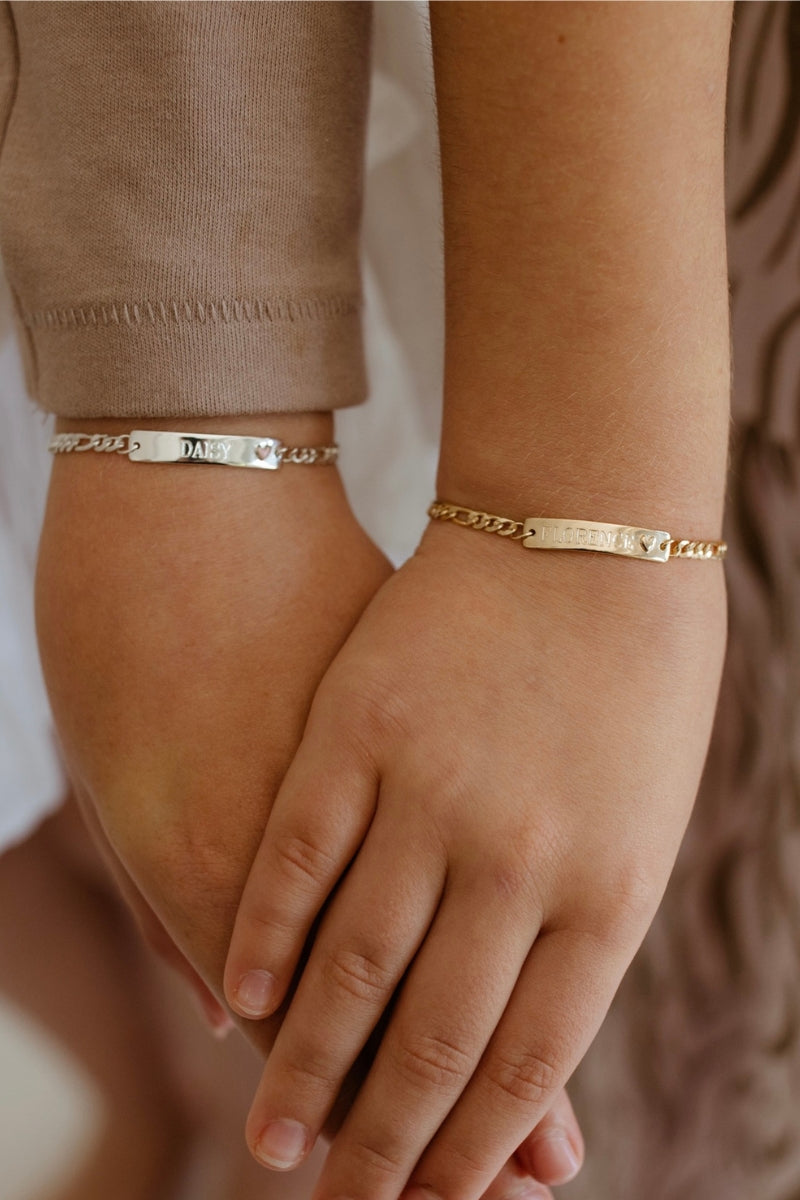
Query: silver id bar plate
x=150, y=445
x=541, y=533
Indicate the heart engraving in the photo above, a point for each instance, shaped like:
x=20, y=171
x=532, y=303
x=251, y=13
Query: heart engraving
x=647, y=541
x=263, y=451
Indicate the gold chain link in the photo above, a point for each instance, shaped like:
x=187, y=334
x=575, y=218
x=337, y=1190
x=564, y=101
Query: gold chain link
x=686, y=548
x=472, y=518
x=440, y=510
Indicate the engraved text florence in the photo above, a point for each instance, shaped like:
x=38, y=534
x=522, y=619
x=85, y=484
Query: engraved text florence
x=619, y=539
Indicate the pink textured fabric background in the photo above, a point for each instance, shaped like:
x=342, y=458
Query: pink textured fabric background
x=692, y=1091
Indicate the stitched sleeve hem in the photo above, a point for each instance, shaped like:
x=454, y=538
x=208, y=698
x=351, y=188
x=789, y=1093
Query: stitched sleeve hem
x=195, y=357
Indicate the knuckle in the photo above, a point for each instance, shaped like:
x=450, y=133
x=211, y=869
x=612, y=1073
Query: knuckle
x=376, y=709
x=428, y=1060
x=459, y=1163
x=309, y=1068
x=199, y=878
x=634, y=893
x=302, y=859
x=263, y=922
x=523, y=1076
x=623, y=908
x=516, y=878
x=363, y=973
x=371, y=1160
x=186, y=854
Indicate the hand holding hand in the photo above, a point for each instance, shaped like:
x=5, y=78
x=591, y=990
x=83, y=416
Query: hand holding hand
x=185, y=617
x=490, y=793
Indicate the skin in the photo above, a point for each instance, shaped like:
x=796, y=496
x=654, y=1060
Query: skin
x=500, y=763
x=512, y=870
x=182, y=638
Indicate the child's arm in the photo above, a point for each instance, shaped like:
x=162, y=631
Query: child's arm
x=499, y=766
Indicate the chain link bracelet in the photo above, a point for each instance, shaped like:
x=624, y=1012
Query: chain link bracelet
x=562, y=533
x=229, y=450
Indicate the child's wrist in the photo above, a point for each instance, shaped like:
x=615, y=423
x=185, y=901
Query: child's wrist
x=620, y=493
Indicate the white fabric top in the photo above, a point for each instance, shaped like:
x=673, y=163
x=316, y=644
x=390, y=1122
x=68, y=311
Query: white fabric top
x=31, y=779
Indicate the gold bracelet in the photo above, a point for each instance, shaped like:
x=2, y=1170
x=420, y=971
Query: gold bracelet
x=562, y=533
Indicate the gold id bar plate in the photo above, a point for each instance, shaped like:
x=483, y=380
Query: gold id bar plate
x=543, y=533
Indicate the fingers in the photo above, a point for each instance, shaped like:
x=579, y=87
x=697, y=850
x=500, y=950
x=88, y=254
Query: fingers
x=160, y=942
x=526, y=1174
x=514, y=1184
x=562, y=996
x=321, y=814
x=151, y=928
x=452, y=1000
x=365, y=943
x=553, y=1153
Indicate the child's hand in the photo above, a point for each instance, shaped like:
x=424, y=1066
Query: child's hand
x=495, y=776
x=185, y=617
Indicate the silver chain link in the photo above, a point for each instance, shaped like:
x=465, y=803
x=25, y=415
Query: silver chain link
x=308, y=455
x=103, y=443
x=120, y=443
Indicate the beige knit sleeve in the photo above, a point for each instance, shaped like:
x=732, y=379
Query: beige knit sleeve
x=180, y=198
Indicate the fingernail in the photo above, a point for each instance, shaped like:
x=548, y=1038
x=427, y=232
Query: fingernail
x=555, y=1158
x=254, y=993
x=214, y=1018
x=282, y=1144
x=221, y=1026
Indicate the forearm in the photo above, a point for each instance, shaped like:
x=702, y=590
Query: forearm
x=587, y=338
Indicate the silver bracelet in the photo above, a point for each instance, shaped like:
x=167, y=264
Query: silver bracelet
x=169, y=446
